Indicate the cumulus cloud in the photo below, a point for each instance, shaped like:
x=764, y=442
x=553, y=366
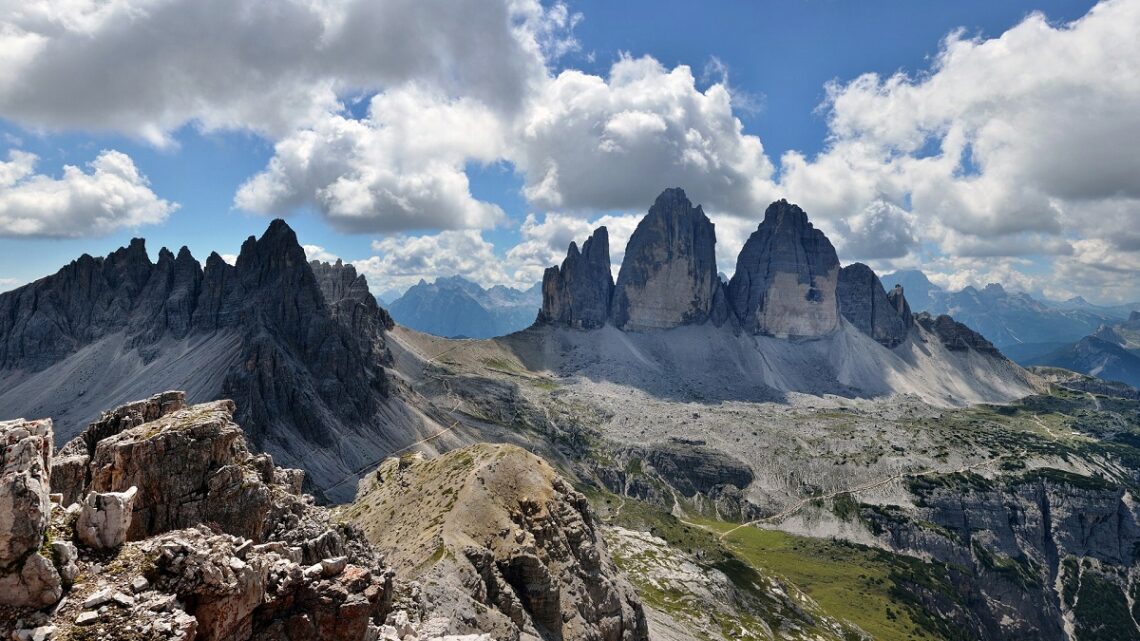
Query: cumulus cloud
x=110, y=195
x=590, y=143
x=545, y=242
x=399, y=168
x=148, y=68
x=401, y=261
x=1005, y=148
x=316, y=252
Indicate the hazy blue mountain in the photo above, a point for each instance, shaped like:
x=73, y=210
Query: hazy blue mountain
x=920, y=292
x=457, y=307
x=1023, y=327
x=1112, y=352
x=1097, y=357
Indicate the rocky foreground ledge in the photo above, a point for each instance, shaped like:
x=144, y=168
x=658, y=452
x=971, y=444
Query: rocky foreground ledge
x=157, y=522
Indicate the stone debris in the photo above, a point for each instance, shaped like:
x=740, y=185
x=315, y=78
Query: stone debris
x=105, y=518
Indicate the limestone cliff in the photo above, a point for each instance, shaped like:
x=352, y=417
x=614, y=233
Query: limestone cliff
x=181, y=533
x=668, y=277
x=864, y=303
x=786, y=277
x=578, y=294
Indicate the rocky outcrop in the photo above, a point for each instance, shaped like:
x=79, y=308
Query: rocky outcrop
x=220, y=549
x=871, y=310
x=955, y=336
x=105, y=518
x=579, y=294
x=786, y=277
x=668, y=276
x=898, y=301
x=514, y=549
x=1024, y=540
x=27, y=578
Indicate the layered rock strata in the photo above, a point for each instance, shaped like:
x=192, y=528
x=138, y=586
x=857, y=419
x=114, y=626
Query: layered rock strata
x=668, y=276
x=786, y=277
x=207, y=541
x=864, y=303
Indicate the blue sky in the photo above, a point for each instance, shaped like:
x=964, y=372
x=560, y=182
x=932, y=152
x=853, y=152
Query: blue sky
x=198, y=142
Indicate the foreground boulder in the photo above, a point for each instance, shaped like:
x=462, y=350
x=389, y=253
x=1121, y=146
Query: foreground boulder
x=668, y=276
x=511, y=548
x=27, y=577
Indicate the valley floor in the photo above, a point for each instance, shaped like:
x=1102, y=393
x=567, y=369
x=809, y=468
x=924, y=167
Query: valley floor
x=821, y=515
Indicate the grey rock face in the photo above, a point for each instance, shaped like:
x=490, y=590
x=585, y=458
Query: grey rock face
x=954, y=335
x=865, y=305
x=579, y=293
x=786, y=277
x=26, y=577
x=312, y=344
x=668, y=277
x=899, y=303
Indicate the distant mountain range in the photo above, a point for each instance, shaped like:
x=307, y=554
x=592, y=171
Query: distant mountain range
x=1024, y=328
x=455, y=307
x=1112, y=352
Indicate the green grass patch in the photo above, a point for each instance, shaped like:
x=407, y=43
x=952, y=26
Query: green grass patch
x=850, y=582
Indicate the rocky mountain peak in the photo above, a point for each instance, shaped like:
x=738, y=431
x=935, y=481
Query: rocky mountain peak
x=578, y=294
x=865, y=304
x=898, y=301
x=786, y=277
x=1134, y=317
x=669, y=276
x=301, y=348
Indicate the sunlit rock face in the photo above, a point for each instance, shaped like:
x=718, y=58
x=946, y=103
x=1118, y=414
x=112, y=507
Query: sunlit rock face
x=786, y=277
x=668, y=277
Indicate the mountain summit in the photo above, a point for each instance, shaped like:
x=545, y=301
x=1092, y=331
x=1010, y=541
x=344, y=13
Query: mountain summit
x=668, y=277
x=299, y=346
x=786, y=277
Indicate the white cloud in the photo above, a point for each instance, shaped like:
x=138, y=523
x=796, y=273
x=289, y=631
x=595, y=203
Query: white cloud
x=264, y=65
x=316, y=252
x=590, y=143
x=403, y=260
x=1008, y=146
x=1014, y=146
x=401, y=167
x=545, y=243
x=111, y=195
x=9, y=283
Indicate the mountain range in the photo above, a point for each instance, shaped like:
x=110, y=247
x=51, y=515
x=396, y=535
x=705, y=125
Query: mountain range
x=454, y=307
x=666, y=455
x=1112, y=353
x=1023, y=327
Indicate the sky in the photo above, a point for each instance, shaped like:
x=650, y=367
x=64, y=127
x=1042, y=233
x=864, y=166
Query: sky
x=979, y=141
